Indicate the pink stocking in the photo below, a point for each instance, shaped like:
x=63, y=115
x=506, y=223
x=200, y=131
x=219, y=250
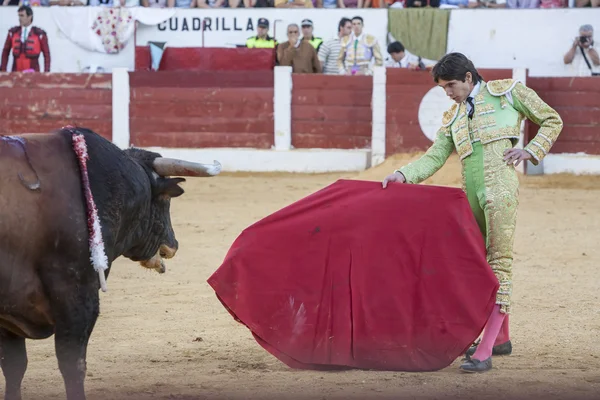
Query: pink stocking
x=503, y=336
x=492, y=328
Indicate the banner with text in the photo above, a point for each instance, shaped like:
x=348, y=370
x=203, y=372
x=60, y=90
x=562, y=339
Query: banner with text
x=232, y=27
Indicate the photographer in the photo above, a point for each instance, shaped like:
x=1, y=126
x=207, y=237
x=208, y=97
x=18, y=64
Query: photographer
x=583, y=57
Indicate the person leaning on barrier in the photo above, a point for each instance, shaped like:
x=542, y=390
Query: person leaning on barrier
x=262, y=40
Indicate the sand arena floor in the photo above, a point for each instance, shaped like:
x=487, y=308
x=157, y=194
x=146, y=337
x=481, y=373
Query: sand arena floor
x=168, y=337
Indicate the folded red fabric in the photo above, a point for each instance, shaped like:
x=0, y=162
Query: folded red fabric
x=356, y=276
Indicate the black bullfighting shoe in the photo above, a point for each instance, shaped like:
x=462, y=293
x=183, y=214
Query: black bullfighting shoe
x=473, y=365
x=503, y=349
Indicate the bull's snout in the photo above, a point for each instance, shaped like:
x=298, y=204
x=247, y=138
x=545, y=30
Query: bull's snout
x=167, y=252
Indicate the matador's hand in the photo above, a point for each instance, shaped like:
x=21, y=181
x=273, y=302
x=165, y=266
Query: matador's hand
x=516, y=155
x=395, y=177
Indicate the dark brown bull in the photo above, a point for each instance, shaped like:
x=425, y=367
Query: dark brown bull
x=47, y=283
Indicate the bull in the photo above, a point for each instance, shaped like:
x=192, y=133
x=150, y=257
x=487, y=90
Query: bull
x=48, y=285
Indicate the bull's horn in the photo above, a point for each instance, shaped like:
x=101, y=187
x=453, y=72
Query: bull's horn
x=174, y=167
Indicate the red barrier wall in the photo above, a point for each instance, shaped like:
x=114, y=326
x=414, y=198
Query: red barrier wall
x=577, y=100
x=207, y=59
x=40, y=102
x=331, y=111
x=201, y=109
x=404, y=91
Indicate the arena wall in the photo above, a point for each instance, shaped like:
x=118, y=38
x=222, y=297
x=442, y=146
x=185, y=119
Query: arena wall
x=39, y=103
x=265, y=121
x=201, y=109
x=207, y=59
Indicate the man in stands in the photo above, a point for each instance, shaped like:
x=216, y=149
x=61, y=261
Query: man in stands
x=262, y=40
x=307, y=34
x=582, y=57
x=402, y=58
x=26, y=43
x=298, y=54
x=483, y=126
x=357, y=51
x=330, y=50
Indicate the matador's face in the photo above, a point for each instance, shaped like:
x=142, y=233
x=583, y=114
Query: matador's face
x=456, y=89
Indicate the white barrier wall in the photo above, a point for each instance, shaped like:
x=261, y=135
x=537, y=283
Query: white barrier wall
x=520, y=38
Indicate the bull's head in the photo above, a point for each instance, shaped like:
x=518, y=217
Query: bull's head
x=159, y=242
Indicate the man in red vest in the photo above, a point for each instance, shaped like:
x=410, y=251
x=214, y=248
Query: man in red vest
x=26, y=43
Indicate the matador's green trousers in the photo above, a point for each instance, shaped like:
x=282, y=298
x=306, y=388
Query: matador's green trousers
x=492, y=189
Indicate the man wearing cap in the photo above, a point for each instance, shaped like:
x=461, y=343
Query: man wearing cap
x=262, y=40
x=307, y=34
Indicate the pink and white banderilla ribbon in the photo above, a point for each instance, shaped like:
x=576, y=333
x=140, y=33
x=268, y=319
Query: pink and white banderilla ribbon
x=98, y=255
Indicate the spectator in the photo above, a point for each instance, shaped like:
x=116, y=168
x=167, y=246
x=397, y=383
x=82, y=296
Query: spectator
x=357, y=51
x=455, y=3
x=422, y=3
x=402, y=58
x=184, y=3
x=262, y=40
x=293, y=4
x=487, y=4
x=523, y=4
x=213, y=3
x=583, y=56
x=553, y=4
x=327, y=3
x=307, y=34
x=299, y=54
x=587, y=3
x=330, y=50
x=158, y=3
x=26, y=42
x=350, y=3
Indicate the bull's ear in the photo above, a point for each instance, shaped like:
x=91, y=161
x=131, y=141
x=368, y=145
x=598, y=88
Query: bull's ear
x=170, y=187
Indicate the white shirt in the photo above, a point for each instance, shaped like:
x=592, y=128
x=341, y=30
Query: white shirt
x=578, y=67
x=407, y=60
x=473, y=93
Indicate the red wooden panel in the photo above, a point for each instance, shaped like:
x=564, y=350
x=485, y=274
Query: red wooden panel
x=570, y=99
x=196, y=125
x=16, y=127
x=329, y=82
x=201, y=95
x=143, y=109
x=174, y=139
x=580, y=116
x=208, y=59
x=349, y=128
x=51, y=112
x=71, y=96
x=331, y=113
x=576, y=147
x=55, y=80
x=395, y=101
x=400, y=76
x=308, y=141
x=405, y=138
x=331, y=97
x=190, y=79
x=494, y=74
x=578, y=84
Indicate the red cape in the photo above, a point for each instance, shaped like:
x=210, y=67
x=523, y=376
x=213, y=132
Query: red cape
x=355, y=276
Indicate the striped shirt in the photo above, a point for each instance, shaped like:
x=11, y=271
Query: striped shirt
x=328, y=54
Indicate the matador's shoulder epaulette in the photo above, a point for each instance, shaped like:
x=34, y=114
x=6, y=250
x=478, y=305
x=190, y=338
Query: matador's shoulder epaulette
x=450, y=115
x=501, y=86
